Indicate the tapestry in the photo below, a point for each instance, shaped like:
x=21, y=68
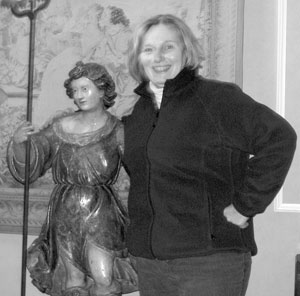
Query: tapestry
x=93, y=31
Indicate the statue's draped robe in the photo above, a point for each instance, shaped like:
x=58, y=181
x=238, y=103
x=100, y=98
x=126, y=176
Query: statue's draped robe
x=83, y=207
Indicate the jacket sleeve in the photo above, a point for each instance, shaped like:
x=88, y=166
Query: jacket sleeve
x=270, y=140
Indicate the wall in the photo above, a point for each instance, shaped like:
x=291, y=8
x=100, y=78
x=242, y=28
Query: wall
x=277, y=233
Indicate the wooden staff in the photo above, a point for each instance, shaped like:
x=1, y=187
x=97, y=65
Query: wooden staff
x=28, y=8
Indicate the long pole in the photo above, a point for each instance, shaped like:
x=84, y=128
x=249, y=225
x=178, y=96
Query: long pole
x=20, y=9
x=28, y=148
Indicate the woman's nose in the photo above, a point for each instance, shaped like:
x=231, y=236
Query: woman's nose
x=158, y=55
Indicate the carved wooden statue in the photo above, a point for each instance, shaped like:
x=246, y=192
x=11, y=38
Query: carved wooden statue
x=81, y=248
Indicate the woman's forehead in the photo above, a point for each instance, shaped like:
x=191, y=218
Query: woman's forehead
x=161, y=32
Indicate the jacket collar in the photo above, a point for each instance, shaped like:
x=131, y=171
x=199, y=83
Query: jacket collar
x=172, y=85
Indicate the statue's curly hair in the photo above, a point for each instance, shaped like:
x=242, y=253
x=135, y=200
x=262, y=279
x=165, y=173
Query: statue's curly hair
x=100, y=77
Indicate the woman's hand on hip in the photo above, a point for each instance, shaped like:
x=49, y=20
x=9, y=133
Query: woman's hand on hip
x=233, y=216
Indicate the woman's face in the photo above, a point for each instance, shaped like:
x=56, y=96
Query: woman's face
x=161, y=54
x=86, y=95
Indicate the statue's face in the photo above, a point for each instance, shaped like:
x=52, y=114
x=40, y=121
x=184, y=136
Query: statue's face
x=86, y=94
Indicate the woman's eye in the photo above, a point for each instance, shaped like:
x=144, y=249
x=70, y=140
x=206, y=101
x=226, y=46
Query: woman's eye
x=147, y=49
x=169, y=46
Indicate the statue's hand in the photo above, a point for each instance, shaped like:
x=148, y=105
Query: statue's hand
x=22, y=133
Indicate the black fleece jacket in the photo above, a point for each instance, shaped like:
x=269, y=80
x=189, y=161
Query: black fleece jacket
x=208, y=146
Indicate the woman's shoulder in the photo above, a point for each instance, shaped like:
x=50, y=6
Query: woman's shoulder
x=217, y=92
x=214, y=85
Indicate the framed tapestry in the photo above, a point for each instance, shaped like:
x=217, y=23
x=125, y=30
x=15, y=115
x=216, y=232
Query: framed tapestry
x=71, y=30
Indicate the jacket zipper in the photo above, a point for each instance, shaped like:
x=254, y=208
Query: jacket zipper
x=149, y=193
x=211, y=232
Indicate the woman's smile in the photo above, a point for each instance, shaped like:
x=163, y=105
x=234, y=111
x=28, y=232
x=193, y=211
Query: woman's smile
x=161, y=68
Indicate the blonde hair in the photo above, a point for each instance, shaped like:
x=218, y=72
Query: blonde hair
x=192, y=49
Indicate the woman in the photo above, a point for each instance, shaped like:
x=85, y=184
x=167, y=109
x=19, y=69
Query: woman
x=203, y=158
x=81, y=248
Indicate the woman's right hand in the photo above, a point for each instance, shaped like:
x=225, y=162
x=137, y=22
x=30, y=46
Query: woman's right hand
x=233, y=216
x=22, y=133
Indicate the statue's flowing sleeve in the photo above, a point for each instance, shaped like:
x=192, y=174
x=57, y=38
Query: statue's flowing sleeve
x=40, y=158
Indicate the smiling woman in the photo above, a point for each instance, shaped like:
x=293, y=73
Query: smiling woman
x=194, y=189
